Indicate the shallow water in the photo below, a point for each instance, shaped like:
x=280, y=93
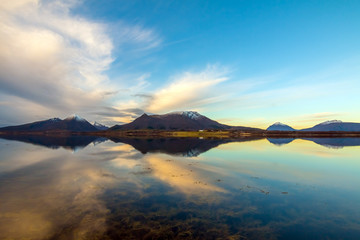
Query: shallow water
x=95, y=188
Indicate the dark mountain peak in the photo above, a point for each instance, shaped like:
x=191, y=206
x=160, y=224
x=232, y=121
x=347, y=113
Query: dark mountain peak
x=144, y=115
x=278, y=126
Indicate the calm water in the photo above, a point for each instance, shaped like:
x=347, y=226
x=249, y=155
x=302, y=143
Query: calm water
x=94, y=188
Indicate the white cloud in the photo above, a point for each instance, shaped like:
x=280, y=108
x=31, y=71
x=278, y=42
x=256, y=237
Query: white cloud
x=189, y=90
x=319, y=117
x=56, y=60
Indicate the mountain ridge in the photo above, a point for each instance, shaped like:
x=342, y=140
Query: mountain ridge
x=173, y=121
x=278, y=126
x=72, y=123
x=327, y=126
x=334, y=125
x=181, y=121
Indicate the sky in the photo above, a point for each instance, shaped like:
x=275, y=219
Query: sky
x=243, y=63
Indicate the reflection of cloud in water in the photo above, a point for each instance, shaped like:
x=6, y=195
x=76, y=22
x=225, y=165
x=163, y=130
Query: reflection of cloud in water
x=13, y=159
x=125, y=162
x=57, y=198
x=124, y=156
x=185, y=175
x=182, y=176
x=121, y=148
x=324, y=154
x=230, y=191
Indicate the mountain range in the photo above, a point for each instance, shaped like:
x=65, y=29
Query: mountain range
x=327, y=126
x=174, y=121
x=186, y=120
x=73, y=123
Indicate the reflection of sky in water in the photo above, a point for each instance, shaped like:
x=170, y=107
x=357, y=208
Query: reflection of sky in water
x=252, y=190
x=302, y=162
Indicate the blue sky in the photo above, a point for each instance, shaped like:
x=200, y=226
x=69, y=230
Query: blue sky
x=239, y=62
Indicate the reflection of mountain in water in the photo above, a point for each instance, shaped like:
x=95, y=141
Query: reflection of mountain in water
x=326, y=142
x=73, y=143
x=280, y=141
x=189, y=147
x=336, y=142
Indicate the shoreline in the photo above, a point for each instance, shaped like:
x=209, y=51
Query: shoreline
x=231, y=134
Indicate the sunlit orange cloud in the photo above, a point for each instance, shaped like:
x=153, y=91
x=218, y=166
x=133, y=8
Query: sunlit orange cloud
x=189, y=89
x=125, y=119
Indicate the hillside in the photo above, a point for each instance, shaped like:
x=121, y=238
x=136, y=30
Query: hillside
x=72, y=124
x=181, y=121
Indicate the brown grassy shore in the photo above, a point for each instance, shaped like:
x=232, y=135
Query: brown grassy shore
x=196, y=134
x=180, y=134
x=224, y=134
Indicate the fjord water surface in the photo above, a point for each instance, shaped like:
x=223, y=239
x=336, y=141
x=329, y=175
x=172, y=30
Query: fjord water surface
x=201, y=189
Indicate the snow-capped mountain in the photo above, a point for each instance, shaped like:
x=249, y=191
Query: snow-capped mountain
x=100, y=126
x=336, y=126
x=73, y=123
x=278, y=126
x=184, y=120
x=329, y=122
x=189, y=114
x=54, y=119
x=76, y=118
x=327, y=126
x=76, y=123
